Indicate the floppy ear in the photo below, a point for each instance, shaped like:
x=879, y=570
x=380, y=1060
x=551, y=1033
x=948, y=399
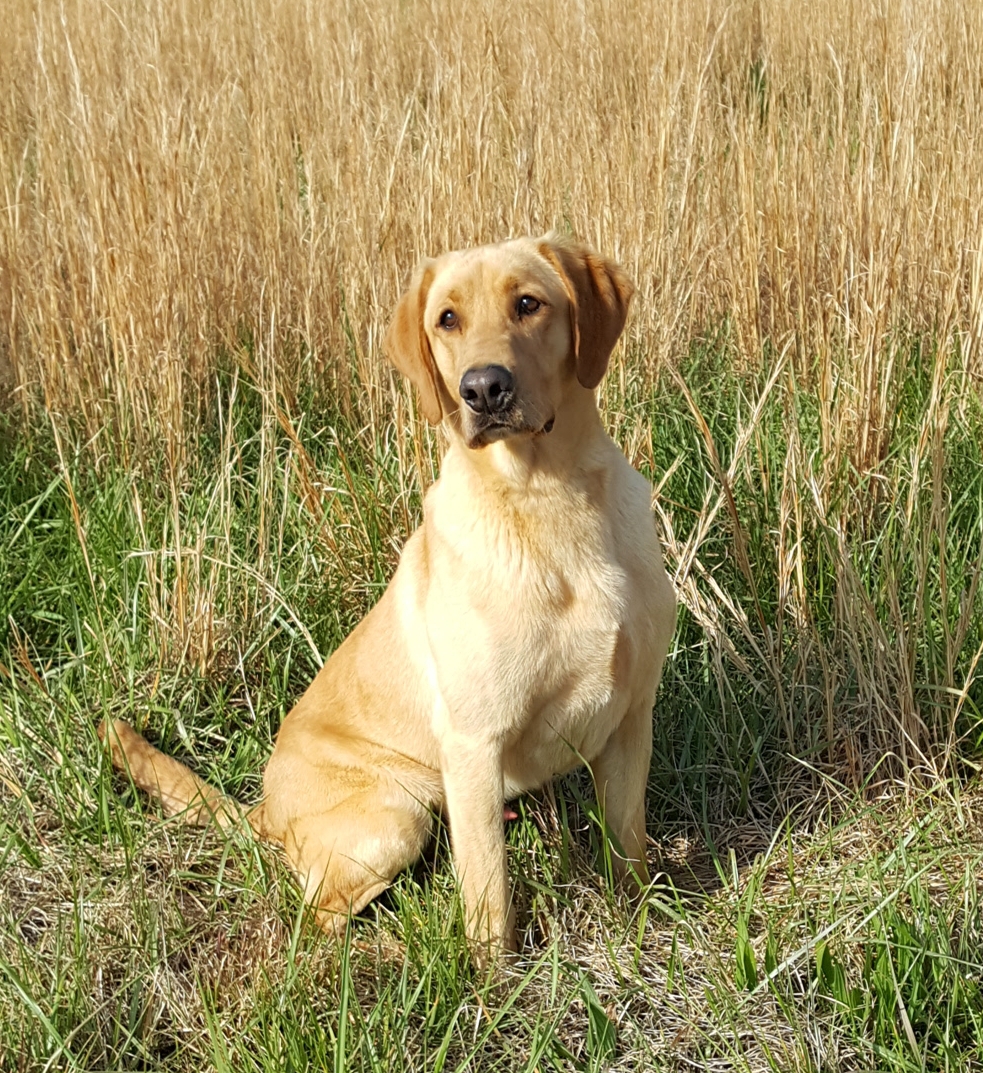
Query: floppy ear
x=407, y=347
x=599, y=293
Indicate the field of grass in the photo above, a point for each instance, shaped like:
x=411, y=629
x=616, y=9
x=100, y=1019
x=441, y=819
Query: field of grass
x=207, y=471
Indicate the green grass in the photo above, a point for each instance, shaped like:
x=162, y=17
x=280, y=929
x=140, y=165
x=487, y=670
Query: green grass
x=817, y=912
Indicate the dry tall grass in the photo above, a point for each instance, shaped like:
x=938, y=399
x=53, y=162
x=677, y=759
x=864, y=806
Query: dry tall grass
x=196, y=183
x=178, y=174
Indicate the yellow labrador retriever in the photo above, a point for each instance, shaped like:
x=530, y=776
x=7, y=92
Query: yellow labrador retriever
x=526, y=626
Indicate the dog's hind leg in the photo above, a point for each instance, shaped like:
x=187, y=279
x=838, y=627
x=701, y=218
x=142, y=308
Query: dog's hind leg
x=347, y=856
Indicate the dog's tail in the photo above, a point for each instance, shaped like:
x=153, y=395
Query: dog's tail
x=178, y=788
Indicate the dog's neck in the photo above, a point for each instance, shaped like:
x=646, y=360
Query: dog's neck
x=522, y=464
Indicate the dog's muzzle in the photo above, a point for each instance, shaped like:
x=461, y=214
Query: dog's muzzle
x=493, y=411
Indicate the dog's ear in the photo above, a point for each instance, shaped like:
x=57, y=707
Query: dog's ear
x=407, y=347
x=599, y=293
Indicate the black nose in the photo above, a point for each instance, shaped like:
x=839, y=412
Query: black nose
x=489, y=390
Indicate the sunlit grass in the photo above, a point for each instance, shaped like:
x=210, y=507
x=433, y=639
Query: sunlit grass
x=207, y=472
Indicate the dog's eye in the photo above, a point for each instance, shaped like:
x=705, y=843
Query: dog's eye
x=448, y=319
x=527, y=305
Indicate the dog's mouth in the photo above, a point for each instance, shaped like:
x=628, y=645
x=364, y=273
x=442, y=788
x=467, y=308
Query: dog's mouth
x=484, y=430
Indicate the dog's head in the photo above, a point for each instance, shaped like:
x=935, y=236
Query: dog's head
x=493, y=338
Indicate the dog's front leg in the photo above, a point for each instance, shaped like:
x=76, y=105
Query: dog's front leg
x=474, y=789
x=621, y=776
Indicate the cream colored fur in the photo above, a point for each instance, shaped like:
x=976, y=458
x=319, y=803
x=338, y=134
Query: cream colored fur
x=523, y=632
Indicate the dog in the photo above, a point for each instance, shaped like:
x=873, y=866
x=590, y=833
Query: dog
x=524, y=631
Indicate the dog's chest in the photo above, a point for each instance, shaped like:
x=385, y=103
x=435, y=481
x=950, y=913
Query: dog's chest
x=577, y=687
x=542, y=634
